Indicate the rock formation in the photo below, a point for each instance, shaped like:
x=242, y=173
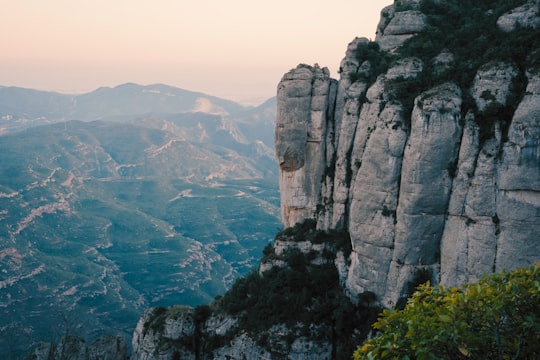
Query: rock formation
x=431, y=194
x=424, y=180
x=301, y=141
x=75, y=348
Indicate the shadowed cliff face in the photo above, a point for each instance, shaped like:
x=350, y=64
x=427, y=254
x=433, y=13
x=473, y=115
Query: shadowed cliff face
x=444, y=191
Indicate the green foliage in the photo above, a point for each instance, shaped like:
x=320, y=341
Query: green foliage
x=307, y=231
x=297, y=296
x=300, y=231
x=468, y=30
x=496, y=318
x=202, y=312
x=283, y=295
x=403, y=6
x=300, y=295
x=378, y=60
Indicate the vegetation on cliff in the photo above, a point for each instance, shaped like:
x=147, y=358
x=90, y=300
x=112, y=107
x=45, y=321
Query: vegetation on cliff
x=468, y=31
x=298, y=295
x=308, y=297
x=496, y=318
x=304, y=296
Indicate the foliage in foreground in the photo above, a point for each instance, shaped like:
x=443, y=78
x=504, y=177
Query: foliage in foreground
x=496, y=318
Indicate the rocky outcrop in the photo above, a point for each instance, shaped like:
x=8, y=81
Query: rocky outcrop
x=524, y=16
x=396, y=27
x=165, y=334
x=305, y=100
x=75, y=348
x=446, y=191
x=178, y=333
x=386, y=182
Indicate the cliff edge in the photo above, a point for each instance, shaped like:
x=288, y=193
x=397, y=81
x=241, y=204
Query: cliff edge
x=422, y=162
x=435, y=175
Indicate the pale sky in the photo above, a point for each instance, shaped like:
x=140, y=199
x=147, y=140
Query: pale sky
x=235, y=49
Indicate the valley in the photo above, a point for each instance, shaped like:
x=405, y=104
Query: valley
x=101, y=219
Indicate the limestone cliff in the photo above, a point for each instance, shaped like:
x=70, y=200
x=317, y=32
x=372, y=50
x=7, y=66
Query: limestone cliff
x=421, y=163
x=446, y=189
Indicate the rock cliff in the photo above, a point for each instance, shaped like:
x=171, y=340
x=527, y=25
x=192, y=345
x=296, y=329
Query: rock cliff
x=75, y=348
x=444, y=190
x=422, y=162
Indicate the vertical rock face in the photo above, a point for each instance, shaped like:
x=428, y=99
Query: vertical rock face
x=305, y=105
x=446, y=192
x=518, y=201
x=425, y=187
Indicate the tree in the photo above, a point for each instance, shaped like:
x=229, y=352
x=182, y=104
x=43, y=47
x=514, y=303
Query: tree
x=496, y=318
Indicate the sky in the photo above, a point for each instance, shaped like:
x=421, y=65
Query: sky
x=235, y=49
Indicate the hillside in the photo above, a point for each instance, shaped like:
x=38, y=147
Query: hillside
x=102, y=219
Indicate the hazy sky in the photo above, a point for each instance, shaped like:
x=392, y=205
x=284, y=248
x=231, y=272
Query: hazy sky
x=236, y=49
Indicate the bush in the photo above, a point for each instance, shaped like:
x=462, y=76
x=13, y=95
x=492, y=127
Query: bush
x=496, y=318
x=378, y=60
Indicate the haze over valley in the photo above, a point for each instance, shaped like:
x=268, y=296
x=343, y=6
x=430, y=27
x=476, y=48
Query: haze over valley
x=160, y=196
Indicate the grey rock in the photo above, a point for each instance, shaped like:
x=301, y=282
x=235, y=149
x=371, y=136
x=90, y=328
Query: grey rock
x=346, y=131
x=397, y=27
x=492, y=84
x=108, y=348
x=170, y=334
x=240, y=347
x=159, y=328
x=448, y=197
x=405, y=68
x=442, y=61
x=526, y=15
x=425, y=186
x=304, y=106
x=518, y=205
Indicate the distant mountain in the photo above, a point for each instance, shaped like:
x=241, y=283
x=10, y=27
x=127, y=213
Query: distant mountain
x=101, y=219
x=21, y=108
x=132, y=99
x=259, y=122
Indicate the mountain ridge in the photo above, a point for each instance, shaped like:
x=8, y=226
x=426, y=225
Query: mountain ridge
x=21, y=107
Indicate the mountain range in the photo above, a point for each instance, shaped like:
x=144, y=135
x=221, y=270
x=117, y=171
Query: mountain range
x=125, y=198
x=21, y=108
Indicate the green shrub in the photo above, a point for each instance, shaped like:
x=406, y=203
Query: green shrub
x=379, y=61
x=496, y=318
